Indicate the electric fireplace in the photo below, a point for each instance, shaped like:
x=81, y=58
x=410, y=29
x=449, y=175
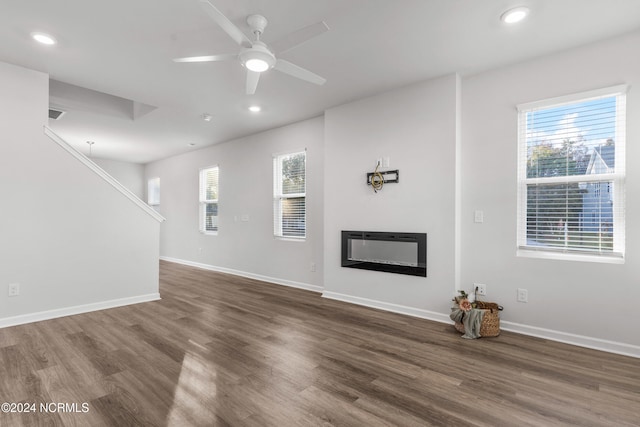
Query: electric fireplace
x=401, y=253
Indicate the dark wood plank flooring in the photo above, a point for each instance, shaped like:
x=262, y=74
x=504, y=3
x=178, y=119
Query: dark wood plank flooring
x=221, y=350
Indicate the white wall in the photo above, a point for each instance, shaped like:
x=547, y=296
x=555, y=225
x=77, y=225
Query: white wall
x=246, y=188
x=455, y=146
x=70, y=239
x=415, y=126
x=131, y=175
x=588, y=299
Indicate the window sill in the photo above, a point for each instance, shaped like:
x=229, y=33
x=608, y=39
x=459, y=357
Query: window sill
x=290, y=239
x=569, y=256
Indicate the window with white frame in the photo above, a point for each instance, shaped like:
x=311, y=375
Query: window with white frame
x=289, y=195
x=153, y=191
x=209, y=200
x=571, y=175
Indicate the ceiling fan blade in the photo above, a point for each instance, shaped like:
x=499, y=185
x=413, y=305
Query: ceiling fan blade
x=210, y=58
x=252, y=81
x=299, y=72
x=298, y=37
x=224, y=23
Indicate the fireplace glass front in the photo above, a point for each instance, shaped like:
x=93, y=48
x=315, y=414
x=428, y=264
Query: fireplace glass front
x=402, y=253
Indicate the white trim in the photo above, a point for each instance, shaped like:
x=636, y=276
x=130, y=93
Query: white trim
x=617, y=179
x=619, y=186
x=208, y=167
x=580, y=96
x=274, y=280
x=549, y=253
x=552, y=335
x=559, y=336
x=395, y=308
x=104, y=175
x=457, y=229
x=573, y=339
x=287, y=152
x=290, y=239
x=153, y=190
x=203, y=202
x=279, y=197
x=78, y=309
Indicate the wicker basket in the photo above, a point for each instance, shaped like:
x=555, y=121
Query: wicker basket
x=490, y=326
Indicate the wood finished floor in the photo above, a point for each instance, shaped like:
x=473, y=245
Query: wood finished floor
x=220, y=350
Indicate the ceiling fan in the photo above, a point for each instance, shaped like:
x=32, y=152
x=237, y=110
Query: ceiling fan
x=255, y=55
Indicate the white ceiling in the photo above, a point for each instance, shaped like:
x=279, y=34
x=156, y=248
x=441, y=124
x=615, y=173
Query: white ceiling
x=124, y=48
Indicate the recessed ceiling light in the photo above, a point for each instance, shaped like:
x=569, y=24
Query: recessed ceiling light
x=515, y=15
x=255, y=108
x=43, y=38
x=207, y=117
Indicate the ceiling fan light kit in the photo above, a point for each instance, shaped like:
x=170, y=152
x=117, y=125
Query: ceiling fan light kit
x=257, y=58
x=255, y=55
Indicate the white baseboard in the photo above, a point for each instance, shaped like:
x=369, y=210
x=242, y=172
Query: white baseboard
x=78, y=309
x=573, y=339
x=552, y=335
x=549, y=334
x=275, y=280
x=395, y=308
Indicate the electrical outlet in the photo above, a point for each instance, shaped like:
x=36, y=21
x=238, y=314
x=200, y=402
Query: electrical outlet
x=14, y=289
x=480, y=288
x=523, y=295
x=312, y=267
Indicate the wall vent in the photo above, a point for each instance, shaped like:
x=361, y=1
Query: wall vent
x=55, y=114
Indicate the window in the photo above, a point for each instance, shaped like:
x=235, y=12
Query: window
x=289, y=195
x=209, y=200
x=153, y=191
x=571, y=176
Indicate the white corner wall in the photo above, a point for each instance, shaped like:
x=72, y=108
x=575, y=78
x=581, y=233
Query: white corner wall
x=590, y=304
x=244, y=247
x=70, y=240
x=415, y=126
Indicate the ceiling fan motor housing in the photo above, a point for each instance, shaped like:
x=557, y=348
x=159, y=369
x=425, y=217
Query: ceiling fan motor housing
x=257, y=23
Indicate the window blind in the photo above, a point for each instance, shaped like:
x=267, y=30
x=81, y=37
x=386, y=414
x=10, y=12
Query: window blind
x=209, y=200
x=571, y=160
x=289, y=195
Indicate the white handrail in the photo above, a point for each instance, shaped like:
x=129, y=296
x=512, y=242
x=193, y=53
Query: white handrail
x=103, y=174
